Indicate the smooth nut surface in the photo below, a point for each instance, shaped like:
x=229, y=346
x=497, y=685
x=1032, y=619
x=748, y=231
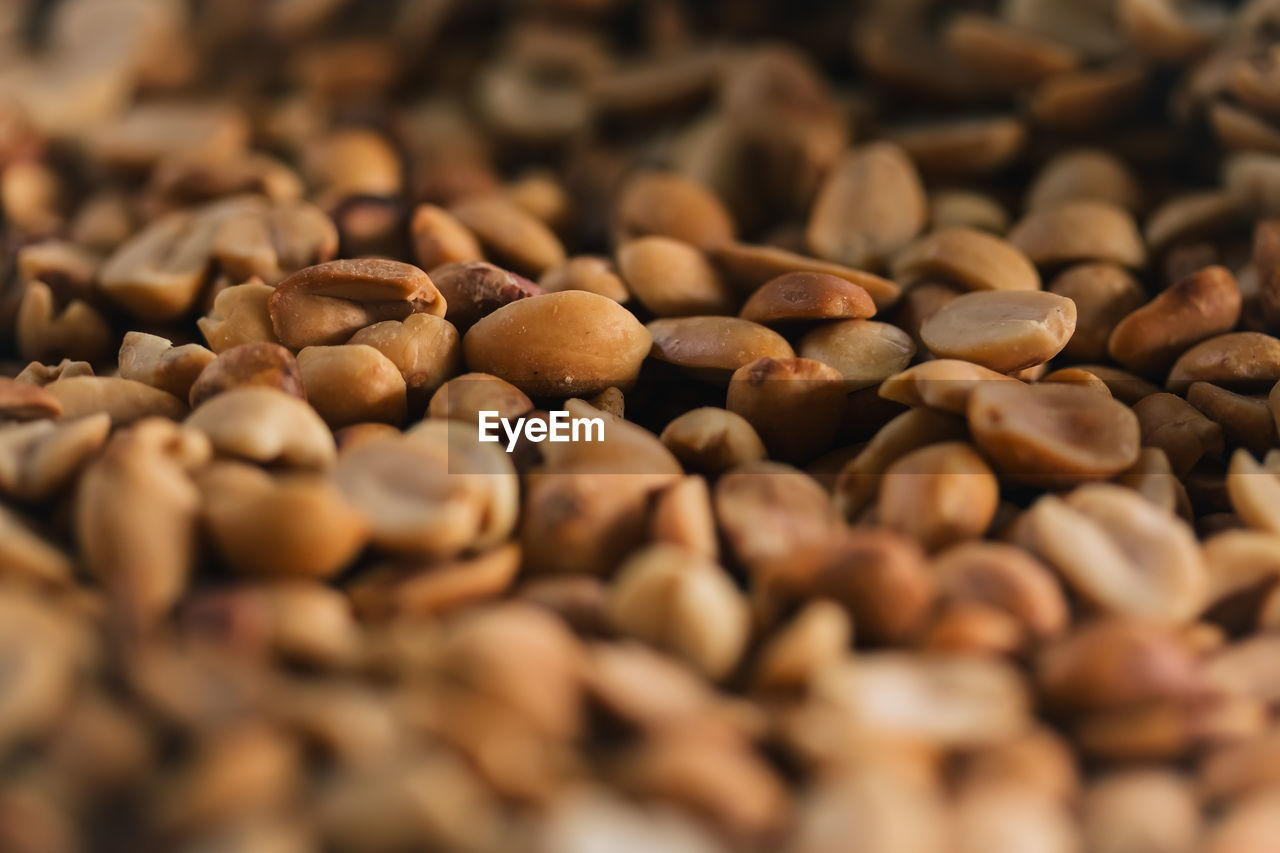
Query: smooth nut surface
x=1203, y=304
x=352, y=383
x=157, y=362
x=966, y=257
x=1079, y=230
x=426, y=349
x=1053, y=433
x=265, y=425
x=713, y=440
x=1005, y=331
x=802, y=296
x=941, y=383
x=672, y=278
x=714, y=346
x=938, y=495
x=559, y=344
x=794, y=404
x=670, y=205
x=1243, y=361
x=1104, y=294
x=863, y=351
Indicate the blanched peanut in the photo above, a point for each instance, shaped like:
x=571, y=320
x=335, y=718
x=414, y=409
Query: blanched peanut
x=124, y=400
x=44, y=332
x=239, y=316
x=1054, y=433
x=859, y=480
x=261, y=364
x=1203, y=304
x=1241, y=361
x=1104, y=294
x=865, y=352
x=425, y=348
x=801, y=296
x=26, y=401
x=559, y=344
x=1120, y=552
x=327, y=303
x=678, y=600
x=714, y=346
x=464, y=397
x=433, y=491
x=672, y=278
x=1079, y=230
x=1003, y=330
x=267, y=426
x=513, y=236
x=1179, y=429
x=968, y=258
x=1005, y=577
x=292, y=524
x=439, y=238
x=671, y=205
x=352, y=383
x=871, y=204
x=594, y=275
x=794, y=404
x=749, y=266
x=157, y=362
x=712, y=440
x=39, y=458
x=942, y=383
x=938, y=495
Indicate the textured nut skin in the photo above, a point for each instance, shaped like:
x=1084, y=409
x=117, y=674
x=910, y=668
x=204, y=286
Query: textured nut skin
x=1053, y=433
x=262, y=364
x=325, y=304
x=1203, y=304
x=1005, y=331
x=559, y=344
x=475, y=289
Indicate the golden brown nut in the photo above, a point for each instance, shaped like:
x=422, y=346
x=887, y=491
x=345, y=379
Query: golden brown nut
x=803, y=296
x=794, y=404
x=966, y=257
x=1204, y=304
x=513, y=236
x=439, y=238
x=712, y=440
x=239, y=315
x=559, y=344
x=938, y=495
x=157, y=362
x=1003, y=330
x=863, y=351
x=671, y=205
x=671, y=278
x=265, y=425
x=124, y=400
x=1104, y=294
x=426, y=349
x=1080, y=230
x=257, y=364
x=351, y=384
x=714, y=346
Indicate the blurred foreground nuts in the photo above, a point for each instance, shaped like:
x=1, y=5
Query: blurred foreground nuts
x=39, y=458
x=944, y=701
x=680, y=601
x=261, y=364
x=559, y=344
x=1142, y=809
x=433, y=491
x=157, y=362
x=22, y=401
x=267, y=426
x=239, y=316
x=351, y=384
x=1203, y=304
x=125, y=400
x=795, y=404
x=801, y=296
x=296, y=525
x=865, y=352
x=881, y=577
x=1175, y=426
x=1121, y=553
x=714, y=347
x=475, y=289
x=966, y=257
x=1053, y=433
x=939, y=495
x=1254, y=493
x=327, y=303
x=672, y=278
x=1080, y=230
x=671, y=205
x=425, y=348
x=1006, y=577
x=1003, y=330
x=712, y=440
x=871, y=204
x=135, y=517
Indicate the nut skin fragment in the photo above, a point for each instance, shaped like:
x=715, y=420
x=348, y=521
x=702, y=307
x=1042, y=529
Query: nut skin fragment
x=265, y=425
x=262, y=364
x=559, y=344
x=327, y=303
x=475, y=289
x=352, y=383
x=1204, y=304
x=1053, y=433
x=1005, y=331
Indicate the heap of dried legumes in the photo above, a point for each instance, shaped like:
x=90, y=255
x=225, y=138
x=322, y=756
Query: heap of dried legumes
x=679, y=426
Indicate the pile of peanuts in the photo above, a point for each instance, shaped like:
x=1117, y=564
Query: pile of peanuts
x=937, y=506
